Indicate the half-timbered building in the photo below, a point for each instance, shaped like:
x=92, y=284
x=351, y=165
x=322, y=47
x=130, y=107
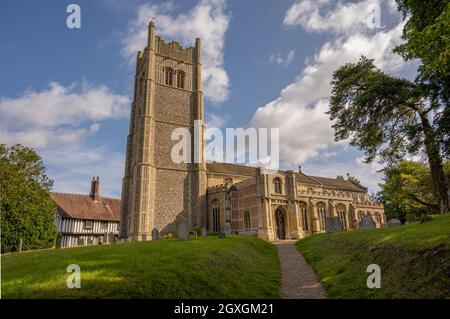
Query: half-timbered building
x=86, y=219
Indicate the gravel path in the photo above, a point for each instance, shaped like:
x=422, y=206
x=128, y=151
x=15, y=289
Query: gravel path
x=298, y=280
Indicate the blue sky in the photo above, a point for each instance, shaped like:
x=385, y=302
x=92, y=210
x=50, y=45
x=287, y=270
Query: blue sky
x=66, y=92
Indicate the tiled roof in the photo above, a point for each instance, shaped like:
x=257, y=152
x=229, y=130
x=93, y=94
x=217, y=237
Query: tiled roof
x=338, y=184
x=83, y=207
x=302, y=178
x=235, y=169
x=227, y=168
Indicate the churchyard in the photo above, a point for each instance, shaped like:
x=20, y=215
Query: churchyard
x=203, y=267
x=414, y=260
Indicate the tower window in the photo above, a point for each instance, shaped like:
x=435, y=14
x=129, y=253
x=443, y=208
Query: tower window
x=277, y=185
x=168, y=76
x=180, y=79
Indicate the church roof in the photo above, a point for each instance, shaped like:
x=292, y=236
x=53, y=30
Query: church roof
x=84, y=207
x=338, y=184
x=236, y=169
x=227, y=168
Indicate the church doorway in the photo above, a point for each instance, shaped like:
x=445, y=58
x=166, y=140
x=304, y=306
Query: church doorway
x=280, y=224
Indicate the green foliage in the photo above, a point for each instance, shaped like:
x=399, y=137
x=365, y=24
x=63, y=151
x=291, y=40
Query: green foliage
x=168, y=236
x=27, y=212
x=208, y=267
x=425, y=218
x=414, y=260
x=427, y=35
x=407, y=190
x=427, y=38
x=389, y=117
x=350, y=178
x=375, y=111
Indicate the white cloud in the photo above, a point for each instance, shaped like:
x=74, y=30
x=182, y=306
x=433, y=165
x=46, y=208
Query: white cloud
x=215, y=121
x=73, y=166
x=56, y=122
x=208, y=20
x=279, y=59
x=321, y=15
x=299, y=111
x=59, y=114
x=367, y=173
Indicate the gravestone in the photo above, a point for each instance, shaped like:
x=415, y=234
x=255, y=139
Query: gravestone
x=221, y=234
x=182, y=229
x=366, y=222
x=203, y=232
x=333, y=224
x=58, y=241
x=227, y=229
x=193, y=234
x=394, y=222
x=155, y=234
x=111, y=238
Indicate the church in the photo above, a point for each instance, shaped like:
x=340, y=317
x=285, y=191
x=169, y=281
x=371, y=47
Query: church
x=222, y=197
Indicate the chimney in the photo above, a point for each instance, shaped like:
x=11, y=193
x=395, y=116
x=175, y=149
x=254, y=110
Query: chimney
x=95, y=186
x=91, y=194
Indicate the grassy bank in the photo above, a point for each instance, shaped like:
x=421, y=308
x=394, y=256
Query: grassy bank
x=414, y=260
x=233, y=267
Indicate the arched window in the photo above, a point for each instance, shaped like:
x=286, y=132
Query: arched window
x=247, y=222
x=215, y=216
x=304, y=216
x=321, y=214
x=360, y=215
x=168, y=76
x=180, y=79
x=277, y=185
x=342, y=216
x=378, y=218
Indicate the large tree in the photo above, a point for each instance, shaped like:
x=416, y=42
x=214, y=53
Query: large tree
x=408, y=189
x=26, y=210
x=390, y=117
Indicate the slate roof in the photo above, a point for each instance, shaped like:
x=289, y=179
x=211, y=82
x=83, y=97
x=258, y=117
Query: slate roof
x=83, y=207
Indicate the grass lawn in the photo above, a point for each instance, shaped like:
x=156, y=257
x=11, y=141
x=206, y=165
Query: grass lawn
x=233, y=267
x=414, y=260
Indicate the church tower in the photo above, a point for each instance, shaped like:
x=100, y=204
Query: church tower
x=156, y=191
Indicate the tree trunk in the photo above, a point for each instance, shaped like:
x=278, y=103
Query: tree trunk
x=435, y=162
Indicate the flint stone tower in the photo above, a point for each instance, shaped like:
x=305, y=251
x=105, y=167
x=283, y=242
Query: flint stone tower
x=156, y=191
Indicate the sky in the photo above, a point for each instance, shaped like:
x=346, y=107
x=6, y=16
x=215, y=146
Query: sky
x=67, y=92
